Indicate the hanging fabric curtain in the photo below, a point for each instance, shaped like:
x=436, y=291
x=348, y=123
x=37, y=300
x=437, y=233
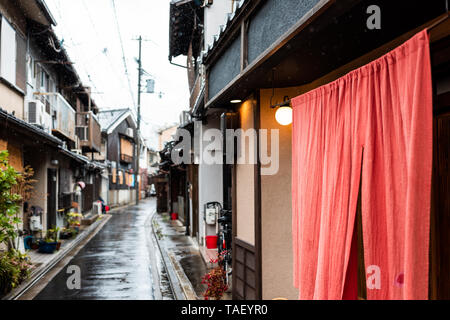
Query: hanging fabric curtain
x=374, y=124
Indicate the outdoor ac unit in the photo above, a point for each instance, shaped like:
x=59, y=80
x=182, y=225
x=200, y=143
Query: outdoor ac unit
x=77, y=151
x=38, y=116
x=130, y=132
x=97, y=208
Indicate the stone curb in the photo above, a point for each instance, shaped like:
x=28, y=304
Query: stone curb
x=177, y=287
x=186, y=285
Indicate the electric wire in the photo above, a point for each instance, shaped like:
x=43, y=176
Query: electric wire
x=99, y=38
x=69, y=35
x=123, y=52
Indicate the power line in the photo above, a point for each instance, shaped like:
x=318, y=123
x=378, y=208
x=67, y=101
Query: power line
x=69, y=35
x=105, y=52
x=123, y=52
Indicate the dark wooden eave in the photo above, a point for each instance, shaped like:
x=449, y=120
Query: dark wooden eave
x=331, y=37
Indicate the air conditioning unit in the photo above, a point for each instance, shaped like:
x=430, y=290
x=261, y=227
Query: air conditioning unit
x=130, y=132
x=38, y=116
x=77, y=151
x=97, y=208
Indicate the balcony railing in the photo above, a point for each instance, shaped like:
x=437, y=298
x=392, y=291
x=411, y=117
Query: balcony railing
x=89, y=131
x=126, y=158
x=64, y=123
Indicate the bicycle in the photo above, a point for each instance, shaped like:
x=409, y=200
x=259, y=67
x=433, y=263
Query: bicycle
x=224, y=241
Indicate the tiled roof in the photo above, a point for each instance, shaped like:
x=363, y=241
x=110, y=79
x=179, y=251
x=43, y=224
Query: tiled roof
x=32, y=128
x=107, y=118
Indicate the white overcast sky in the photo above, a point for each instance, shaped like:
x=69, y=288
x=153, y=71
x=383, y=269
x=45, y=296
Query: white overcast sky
x=89, y=31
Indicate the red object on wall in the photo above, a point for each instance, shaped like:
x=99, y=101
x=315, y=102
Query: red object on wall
x=211, y=242
x=373, y=126
x=174, y=216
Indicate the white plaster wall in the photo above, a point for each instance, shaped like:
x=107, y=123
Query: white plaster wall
x=215, y=16
x=121, y=197
x=209, y=184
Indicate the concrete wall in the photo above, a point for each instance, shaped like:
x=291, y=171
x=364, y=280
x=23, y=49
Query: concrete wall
x=245, y=180
x=210, y=184
x=121, y=197
x=276, y=208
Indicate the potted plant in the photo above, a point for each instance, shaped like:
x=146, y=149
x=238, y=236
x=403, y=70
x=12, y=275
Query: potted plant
x=74, y=220
x=215, y=280
x=47, y=246
x=66, y=233
x=50, y=243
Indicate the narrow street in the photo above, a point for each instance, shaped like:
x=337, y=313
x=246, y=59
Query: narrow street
x=237, y=150
x=117, y=263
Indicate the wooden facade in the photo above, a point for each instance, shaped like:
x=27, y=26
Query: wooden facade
x=121, y=149
x=302, y=57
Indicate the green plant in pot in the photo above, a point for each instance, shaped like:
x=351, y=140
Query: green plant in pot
x=74, y=220
x=50, y=242
x=14, y=268
x=66, y=233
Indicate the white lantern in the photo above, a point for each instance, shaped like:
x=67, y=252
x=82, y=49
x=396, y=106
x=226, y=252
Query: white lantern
x=283, y=115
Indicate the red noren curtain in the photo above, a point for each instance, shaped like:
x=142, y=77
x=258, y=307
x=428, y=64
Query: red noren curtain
x=375, y=123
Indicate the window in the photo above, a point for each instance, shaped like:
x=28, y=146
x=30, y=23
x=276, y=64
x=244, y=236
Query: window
x=31, y=72
x=126, y=150
x=8, y=52
x=21, y=70
x=44, y=80
x=13, y=55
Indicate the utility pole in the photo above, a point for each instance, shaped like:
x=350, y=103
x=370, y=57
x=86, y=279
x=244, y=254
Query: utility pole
x=139, y=122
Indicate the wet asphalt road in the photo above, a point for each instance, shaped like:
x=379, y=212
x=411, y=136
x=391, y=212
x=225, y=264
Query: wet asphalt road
x=115, y=264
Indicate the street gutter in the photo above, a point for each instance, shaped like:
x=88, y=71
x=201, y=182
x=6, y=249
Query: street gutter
x=177, y=288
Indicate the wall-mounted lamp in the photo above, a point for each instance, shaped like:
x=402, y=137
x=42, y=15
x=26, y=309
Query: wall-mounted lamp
x=54, y=162
x=283, y=115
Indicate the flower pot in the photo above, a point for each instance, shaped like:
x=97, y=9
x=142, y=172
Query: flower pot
x=66, y=235
x=58, y=245
x=174, y=216
x=47, y=247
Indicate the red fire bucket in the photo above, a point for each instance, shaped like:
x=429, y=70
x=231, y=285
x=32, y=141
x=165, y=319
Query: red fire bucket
x=211, y=242
x=174, y=216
